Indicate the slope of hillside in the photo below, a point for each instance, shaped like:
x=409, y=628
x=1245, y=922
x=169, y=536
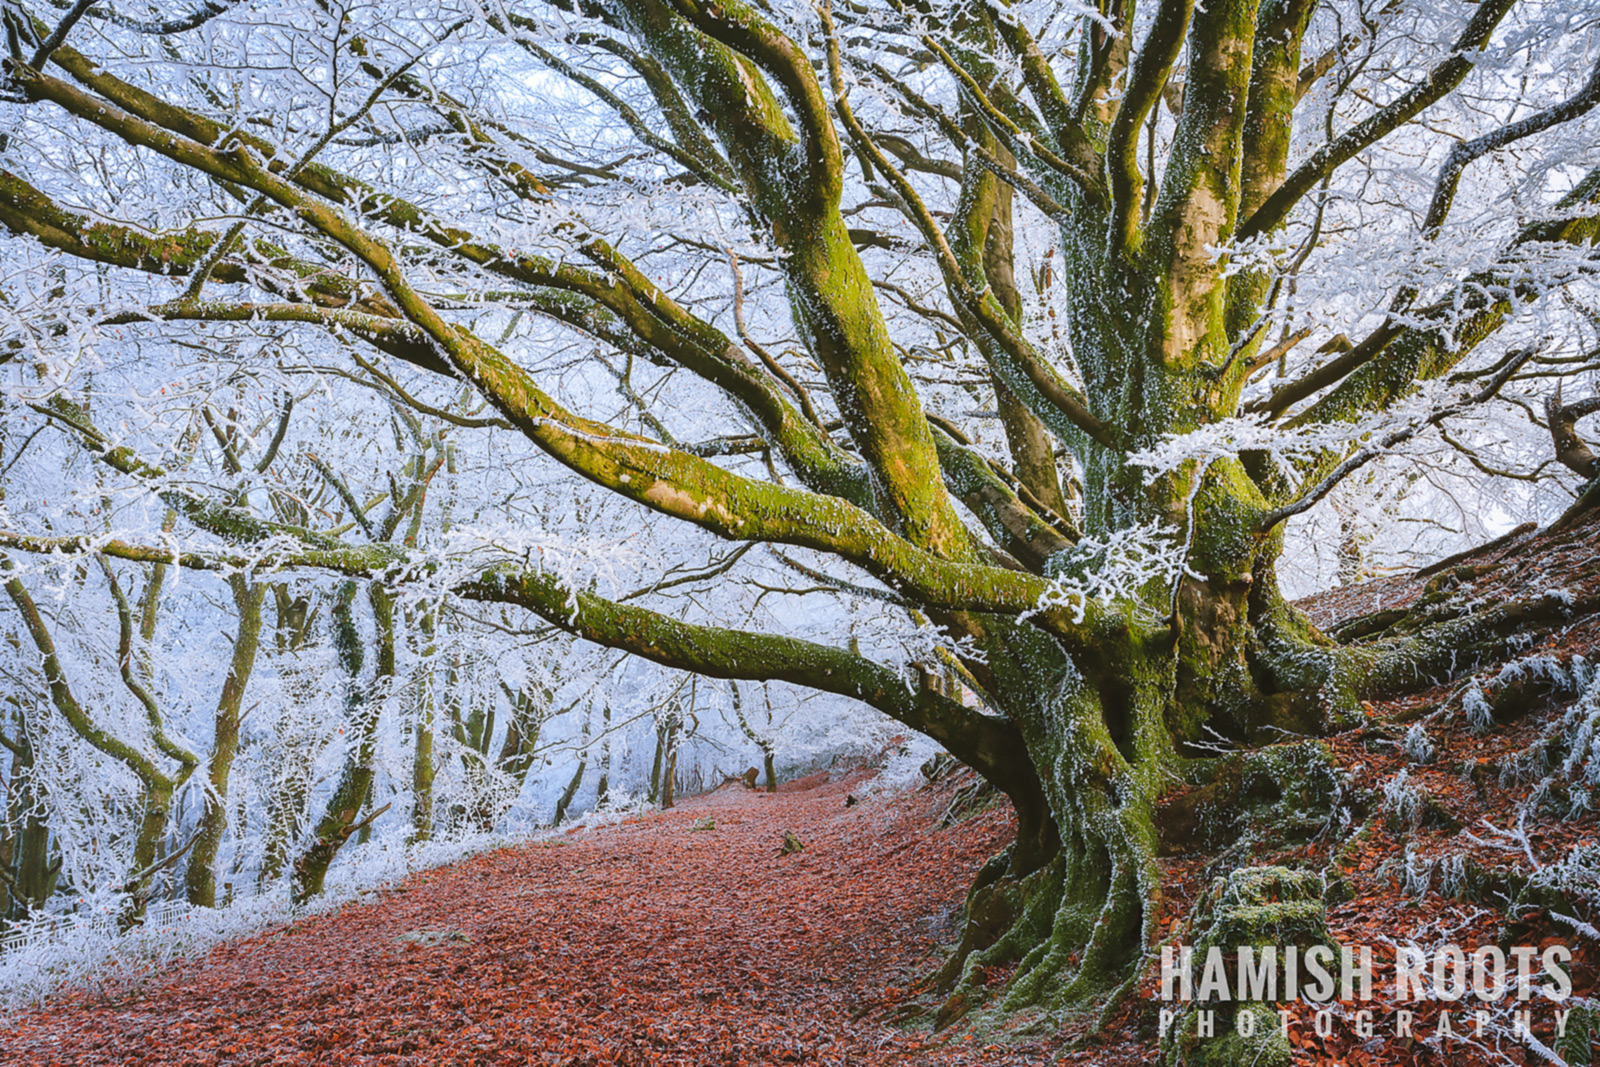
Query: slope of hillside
x=1463, y=812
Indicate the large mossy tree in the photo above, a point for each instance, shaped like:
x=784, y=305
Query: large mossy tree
x=1086, y=696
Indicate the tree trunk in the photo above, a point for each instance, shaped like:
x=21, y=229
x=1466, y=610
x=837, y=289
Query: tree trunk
x=422, y=768
x=569, y=793
x=666, y=761
x=603, y=787
x=200, y=879
x=655, y=763
x=762, y=741
x=1100, y=704
x=422, y=772
x=669, y=773
x=25, y=850
x=362, y=711
x=10, y=816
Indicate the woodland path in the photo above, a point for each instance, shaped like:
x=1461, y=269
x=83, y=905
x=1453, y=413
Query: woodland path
x=645, y=943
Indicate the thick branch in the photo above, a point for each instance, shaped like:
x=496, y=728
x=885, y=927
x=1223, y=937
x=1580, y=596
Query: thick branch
x=990, y=745
x=1148, y=76
x=1024, y=371
x=649, y=314
x=743, y=29
x=1040, y=79
x=1571, y=450
x=1016, y=527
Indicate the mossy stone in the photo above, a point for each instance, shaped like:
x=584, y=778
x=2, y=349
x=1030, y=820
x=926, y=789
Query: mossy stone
x=1258, y=907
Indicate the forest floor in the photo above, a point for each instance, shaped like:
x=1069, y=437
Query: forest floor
x=650, y=942
x=685, y=938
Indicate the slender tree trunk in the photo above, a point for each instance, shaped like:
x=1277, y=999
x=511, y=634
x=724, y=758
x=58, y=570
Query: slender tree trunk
x=603, y=787
x=422, y=768
x=37, y=872
x=25, y=850
x=655, y=764
x=669, y=773
x=475, y=733
x=10, y=816
x=569, y=793
x=422, y=773
x=200, y=879
x=294, y=618
x=498, y=792
x=762, y=741
x=362, y=713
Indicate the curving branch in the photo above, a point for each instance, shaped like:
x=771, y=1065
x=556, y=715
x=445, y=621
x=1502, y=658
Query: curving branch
x=1335, y=370
x=25, y=210
x=233, y=523
x=1025, y=370
x=1040, y=78
x=1316, y=69
x=1018, y=141
x=1572, y=451
x=1152, y=66
x=623, y=291
x=141, y=693
x=690, y=136
x=767, y=358
x=742, y=28
x=208, y=10
x=1437, y=84
x=1311, y=494
x=952, y=130
x=672, y=482
x=61, y=694
x=1015, y=524
x=983, y=741
x=58, y=36
x=1462, y=153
